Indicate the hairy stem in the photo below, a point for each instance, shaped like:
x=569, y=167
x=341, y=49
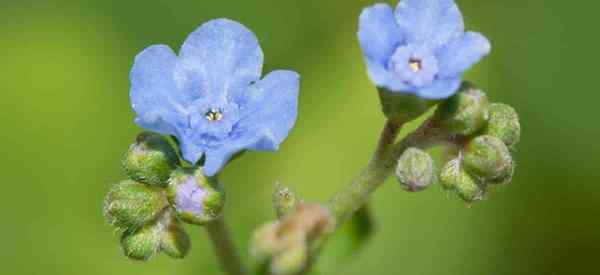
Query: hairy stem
x=224, y=247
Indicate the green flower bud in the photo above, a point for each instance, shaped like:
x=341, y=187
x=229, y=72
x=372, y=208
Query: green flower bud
x=453, y=177
x=404, y=107
x=290, y=261
x=196, y=198
x=175, y=242
x=265, y=242
x=150, y=159
x=506, y=179
x=466, y=112
x=415, y=170
x=504, y=124
x=130, y=205
x=141, y=244
x=488, y=158
x=284, y=200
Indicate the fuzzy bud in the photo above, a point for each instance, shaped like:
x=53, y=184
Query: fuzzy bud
x=175, y=242
x=131, y=205
x=141, y=244
x=196, y=198
x=453, y=177
x=151, y=159
x=504, y=124
x=290, y=261
x=487, y=157
x=284, y=200
x=466, y=112
x=415, y=170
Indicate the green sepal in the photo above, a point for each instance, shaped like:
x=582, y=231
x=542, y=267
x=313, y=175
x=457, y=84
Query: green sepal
x=398, y=106
x=488, y=158
x=141, y=244
x=175, y=242
x=453, y=177
x=151, y=159
x=466, y=112
x=414, y=170
x=130, y=205
x=504, y=124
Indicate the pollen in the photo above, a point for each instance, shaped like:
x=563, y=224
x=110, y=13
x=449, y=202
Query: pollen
x=415, y=65
x=214, y=115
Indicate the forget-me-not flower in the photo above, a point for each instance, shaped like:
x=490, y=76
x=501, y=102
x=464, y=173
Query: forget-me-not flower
x=211, y=96
x=420, y=48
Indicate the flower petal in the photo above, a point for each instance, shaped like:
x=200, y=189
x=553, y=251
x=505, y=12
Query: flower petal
x=222, y=56
x=154, y=95
x=268, y=114
x=461, y=54
x=430, y=22
x=440, y=88
x=378, y=33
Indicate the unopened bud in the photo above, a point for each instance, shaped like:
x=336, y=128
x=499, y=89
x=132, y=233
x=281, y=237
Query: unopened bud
x=504, y=124
x=284, y=200
x=196, y=198
x=466, y=112
x=415, y=170
x=290, y=261
x=175, y=242
x=487, y=157
x=151, y=159
x=141, y=244
x=130, y=205
x=453, y=177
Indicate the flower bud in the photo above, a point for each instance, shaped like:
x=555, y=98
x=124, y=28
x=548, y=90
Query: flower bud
x=265, y=242
x=130, y=205
x=196, y=198
x=175, y=242
x=284, y=200
x=453, y=177
x=487, y=157
x=466, y=112
x=506, y=179
x=290, y=261
x=151, y=159
x=141, y=244
x=415, y=170
x=504, y=124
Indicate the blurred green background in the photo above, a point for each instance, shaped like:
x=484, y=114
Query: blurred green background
x=66, y=122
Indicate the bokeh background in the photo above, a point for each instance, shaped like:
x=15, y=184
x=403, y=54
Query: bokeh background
x=66, y=122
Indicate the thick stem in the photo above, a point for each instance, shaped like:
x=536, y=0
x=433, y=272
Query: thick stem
x=224, y=247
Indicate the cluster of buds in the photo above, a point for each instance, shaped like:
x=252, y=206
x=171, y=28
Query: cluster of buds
x=483, y=136
x=147, y=209
x=285, y=245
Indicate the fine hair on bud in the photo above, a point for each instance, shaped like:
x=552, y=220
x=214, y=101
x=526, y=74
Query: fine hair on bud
x=488, y=158
x=454, y=178
x=141, y=244
x=284, y=200
x=174, y=242
x=197, y=199
x=466, y=112
x=150, y=160
x=130, y=205
x=504, y=124
x=415, y=170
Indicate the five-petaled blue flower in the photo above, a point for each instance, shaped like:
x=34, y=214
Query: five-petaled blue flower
x=420, y=49
x=211, y=96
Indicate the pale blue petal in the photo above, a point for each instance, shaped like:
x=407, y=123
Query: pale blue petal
x=216, y=160
x=378, y=33
x=220, y=58
x=431, y=22
x=461, y=54
x=191, y=151
x=154, y=95
x=384, y=78
x=440, y=88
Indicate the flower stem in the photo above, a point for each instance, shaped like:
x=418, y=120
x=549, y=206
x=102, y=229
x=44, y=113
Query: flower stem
x=224, y=247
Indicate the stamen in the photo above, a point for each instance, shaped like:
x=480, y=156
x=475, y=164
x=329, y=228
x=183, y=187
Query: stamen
x=214, y=114
x=415, y=65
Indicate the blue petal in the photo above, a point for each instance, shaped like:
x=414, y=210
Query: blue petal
x=378, y=33
x=154, y=95
x=221, y=57
x=268, y=113
x=431, y=22
x=461, y=54
x=440, y=88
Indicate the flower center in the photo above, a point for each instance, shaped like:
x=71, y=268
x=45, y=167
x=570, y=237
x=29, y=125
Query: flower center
x=214, y=114
x=415, y=64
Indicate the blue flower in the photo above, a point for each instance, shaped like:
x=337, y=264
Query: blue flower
x=420, y=49
x=211, y=96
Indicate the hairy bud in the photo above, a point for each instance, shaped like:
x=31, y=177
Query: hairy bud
x=504, y=124
x=175, y=242
x=453, y=177
x=130, y=205
x=284, y=200
x=290, y=261
x=487, y=157
x=141, y=244
x=150, y=159
x=415, y=170
x=196, y=198
x=466, y=112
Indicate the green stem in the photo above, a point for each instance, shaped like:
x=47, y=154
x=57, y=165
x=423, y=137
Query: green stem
x=224, y=247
